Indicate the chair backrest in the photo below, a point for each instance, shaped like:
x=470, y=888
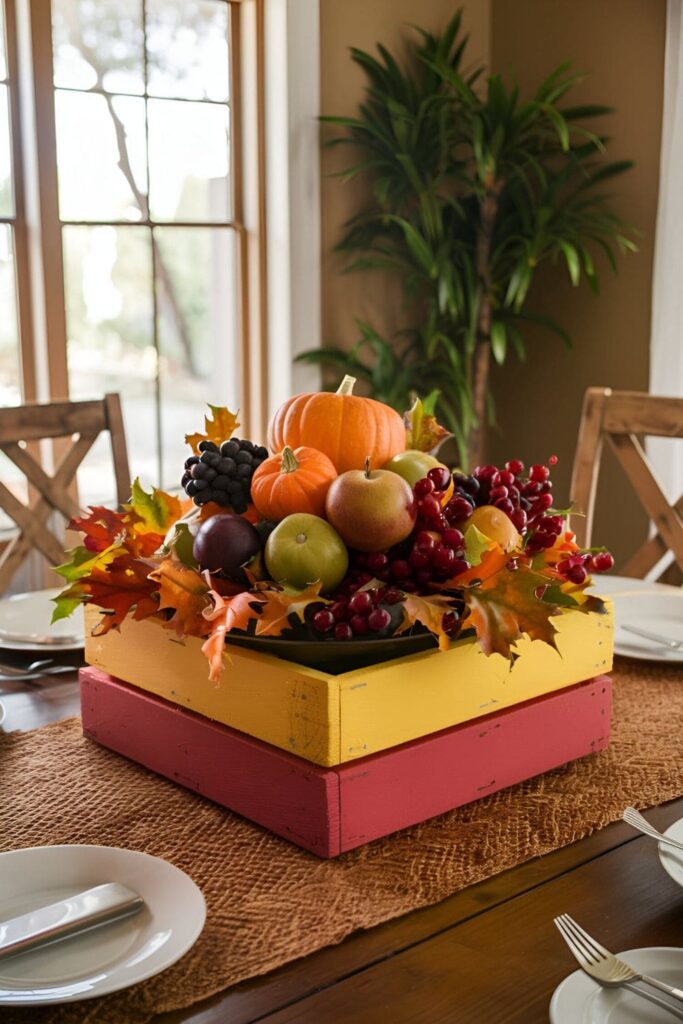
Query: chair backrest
x=20, y=429
x=623, y=419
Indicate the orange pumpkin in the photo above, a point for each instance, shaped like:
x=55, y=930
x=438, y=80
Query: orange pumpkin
x=294, y=481
x=345, y=427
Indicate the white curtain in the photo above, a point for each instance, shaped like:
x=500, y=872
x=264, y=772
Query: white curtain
x=666, y=353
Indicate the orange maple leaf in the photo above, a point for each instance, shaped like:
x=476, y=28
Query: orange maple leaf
x=186, y=592
x=281, y=603
x=218, y=427
x=429, y=611
x=231, y=613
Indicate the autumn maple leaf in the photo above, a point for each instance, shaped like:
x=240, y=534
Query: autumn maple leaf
x=123, y=588
x=186, y=592
x=218, y=427
x=227, y=614
x=101, y=527
x=280, y=603
x=506, y=605
x=152, y=512
x=429, y=612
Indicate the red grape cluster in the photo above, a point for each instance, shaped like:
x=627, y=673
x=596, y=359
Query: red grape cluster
x=360, y=614
x=525, y=498
x=577, y=568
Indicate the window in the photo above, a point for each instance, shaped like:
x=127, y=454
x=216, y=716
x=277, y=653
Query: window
x=139, y=191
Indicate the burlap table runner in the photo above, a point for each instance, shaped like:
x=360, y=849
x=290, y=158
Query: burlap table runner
x=269, y=902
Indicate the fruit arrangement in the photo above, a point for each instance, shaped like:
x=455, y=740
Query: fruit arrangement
x=349, y=527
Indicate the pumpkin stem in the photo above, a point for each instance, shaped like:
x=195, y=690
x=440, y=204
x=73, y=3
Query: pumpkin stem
x=367, y=467
x=347, y=385
x=290, y=463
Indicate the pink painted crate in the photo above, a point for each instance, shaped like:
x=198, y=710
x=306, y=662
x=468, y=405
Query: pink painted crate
x=331, y=810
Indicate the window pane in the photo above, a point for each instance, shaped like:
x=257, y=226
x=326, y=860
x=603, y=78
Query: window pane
x=188, y=161
x=10, y=386
x=108, y=275
x=98, y=44
x=100, y=156
x=187, y=49
x=6, y=199
x=3, y=57
x=197, y=304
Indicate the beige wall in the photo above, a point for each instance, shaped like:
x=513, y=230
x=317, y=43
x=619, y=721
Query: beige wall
x=363, y=23
x=621, y=44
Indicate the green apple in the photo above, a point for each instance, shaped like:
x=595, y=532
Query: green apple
x=412, y=465
x=303, y=549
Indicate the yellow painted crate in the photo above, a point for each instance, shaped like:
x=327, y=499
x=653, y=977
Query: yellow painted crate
x=332, y=719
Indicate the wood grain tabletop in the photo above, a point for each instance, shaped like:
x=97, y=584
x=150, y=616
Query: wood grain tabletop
x=487, y=955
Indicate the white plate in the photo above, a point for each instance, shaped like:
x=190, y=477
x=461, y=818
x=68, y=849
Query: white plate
x=579, y=1000
x=108, y=958
x=671, y=858
x=30, y=614
x=653, y=606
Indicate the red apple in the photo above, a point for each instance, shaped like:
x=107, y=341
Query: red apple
x=371, y=510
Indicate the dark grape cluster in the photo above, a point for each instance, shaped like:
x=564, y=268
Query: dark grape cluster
x=223, y=474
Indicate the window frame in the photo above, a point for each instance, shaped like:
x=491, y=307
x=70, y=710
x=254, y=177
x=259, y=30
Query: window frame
x=38, y=230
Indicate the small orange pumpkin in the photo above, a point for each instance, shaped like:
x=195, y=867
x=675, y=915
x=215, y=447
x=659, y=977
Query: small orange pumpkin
x=344, y=426
x=294, y=481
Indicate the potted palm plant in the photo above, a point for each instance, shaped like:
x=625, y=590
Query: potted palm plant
x=472, y=187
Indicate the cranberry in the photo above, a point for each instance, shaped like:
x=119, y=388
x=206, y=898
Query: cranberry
x=429, y=507
x=377, y=561
x=423, y=487
x=323, y=621
x=458, y=508
x=340, y=611
x=503, y=478
x=515, y=466
x=379, y=619
x=443, y=558
x=498, y=492
x=577, y=574
x=359, y=625
x=360, y=603
x=440, y=477
x=425, y=541
x=603, y=561
x=452, y=538
x=539, y=473
x=400, y=569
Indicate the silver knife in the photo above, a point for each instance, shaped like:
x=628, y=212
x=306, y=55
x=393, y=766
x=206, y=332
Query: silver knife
x=61, y=920
x=657, y=638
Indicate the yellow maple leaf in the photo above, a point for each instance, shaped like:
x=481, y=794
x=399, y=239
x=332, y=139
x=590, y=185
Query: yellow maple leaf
x=218, y=427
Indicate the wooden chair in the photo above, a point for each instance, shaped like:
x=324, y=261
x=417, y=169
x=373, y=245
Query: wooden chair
x=623, y=419
x=79, y=422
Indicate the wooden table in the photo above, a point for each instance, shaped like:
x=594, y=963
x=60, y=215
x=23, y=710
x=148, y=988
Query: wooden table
x=488, y=955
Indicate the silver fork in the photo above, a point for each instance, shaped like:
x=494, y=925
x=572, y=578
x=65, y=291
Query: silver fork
x=608, y=970
x=24, y=670
x=635, y=819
